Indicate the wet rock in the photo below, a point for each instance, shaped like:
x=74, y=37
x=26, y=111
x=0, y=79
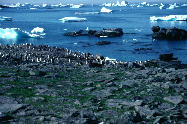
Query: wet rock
x=2, y=6
x=167, y=57
x=174, y=99
x=112, y=32
x=103, y=43
x=155, y=29
x=169, y=34
x=176, y=34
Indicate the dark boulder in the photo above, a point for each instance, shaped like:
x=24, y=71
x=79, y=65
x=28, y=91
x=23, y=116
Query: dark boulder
x=167, y=57
x=155, y=29
x=76, y=33
x=2, y=6
x=176, y=34
x=103, y=43
x=168, y=34
x=112, y=32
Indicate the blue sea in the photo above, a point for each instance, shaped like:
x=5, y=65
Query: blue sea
x=135, y=22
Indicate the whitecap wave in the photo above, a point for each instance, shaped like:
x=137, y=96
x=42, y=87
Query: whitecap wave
x=72, y=19
x=169, y=18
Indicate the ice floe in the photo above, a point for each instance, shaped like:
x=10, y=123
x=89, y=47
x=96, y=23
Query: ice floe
x=3, y=18
x=169, y=18
x=73, y=19
x=105, y=10
x=33, y=8
x=16, y=33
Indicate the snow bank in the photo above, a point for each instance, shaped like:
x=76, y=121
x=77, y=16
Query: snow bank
x=72, y=19
x=169, y=18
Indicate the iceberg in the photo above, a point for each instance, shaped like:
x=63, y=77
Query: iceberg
x=76, y=6
x=3, y=18
x=16, y=33
x=172, y=6
x=73, y=19
x=33, y=8
x=123, y=3
x=169, y=18
x=105, y=10
x=37, y=30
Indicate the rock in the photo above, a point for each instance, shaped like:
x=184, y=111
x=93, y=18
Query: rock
x=126, y=84
x=32, y=73
x=168, y=34
x=184, y=85
x=112, y=32
x=167, y=57
x=176, y=34
x=7, y=100
x=145, y=111
x=6, y=108
x=2, y=6
x=155, y=29
x=103, y=43
x=174, y=99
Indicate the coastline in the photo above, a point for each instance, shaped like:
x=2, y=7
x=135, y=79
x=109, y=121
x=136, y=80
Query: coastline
x=55, y=85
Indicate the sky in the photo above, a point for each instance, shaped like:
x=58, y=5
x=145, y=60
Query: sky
x=84, y=1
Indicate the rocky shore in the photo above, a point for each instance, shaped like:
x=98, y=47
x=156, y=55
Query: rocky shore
x=42, y=84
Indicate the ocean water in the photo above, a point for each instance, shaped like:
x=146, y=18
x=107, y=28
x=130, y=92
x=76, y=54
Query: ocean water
x=135, y=22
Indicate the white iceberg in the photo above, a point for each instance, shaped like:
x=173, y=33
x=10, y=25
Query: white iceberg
x=33, y=8
x=107, y=4
x=37, y=30
x=162, y=6
x=172, y=6
x=105, y=10
x=3, y=18
x=76, y=6
x=183, y=5
x=169, y=18
x=73, y=19
x=16, y=33
x=14, y=5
